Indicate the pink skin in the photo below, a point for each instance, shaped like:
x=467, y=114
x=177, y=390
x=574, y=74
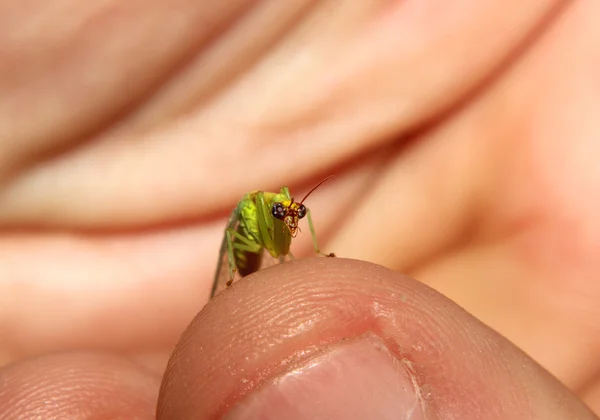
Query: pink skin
x=463, y=140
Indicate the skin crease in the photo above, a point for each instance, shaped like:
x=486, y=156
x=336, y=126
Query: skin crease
x=128, y=132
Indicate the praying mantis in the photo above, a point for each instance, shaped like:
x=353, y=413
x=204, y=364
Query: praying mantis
x=261, y=222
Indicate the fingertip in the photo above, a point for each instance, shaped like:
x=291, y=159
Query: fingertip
x=77, y=386
x=275, y=323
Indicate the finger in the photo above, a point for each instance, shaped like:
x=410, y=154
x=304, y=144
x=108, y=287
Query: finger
x=77, y=386
x=233, y=107
x=131, y=292
x=336, y=338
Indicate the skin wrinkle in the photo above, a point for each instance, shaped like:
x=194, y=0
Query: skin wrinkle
x=167, y=53
x=218, y=66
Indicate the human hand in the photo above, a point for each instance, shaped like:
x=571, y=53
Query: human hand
x=109, y=206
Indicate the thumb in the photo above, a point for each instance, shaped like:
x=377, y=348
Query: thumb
x=336, y=338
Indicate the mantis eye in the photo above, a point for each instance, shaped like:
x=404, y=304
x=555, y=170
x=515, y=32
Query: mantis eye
x=301, y=211
x=278, y=211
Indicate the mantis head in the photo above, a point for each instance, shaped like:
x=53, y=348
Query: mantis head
x=290, y=212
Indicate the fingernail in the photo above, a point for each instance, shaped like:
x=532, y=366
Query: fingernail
x=357, y=379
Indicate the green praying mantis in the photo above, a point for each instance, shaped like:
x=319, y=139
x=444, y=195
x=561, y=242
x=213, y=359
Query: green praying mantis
x=261, y=222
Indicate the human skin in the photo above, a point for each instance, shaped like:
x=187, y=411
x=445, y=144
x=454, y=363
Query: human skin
x=462, y=138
